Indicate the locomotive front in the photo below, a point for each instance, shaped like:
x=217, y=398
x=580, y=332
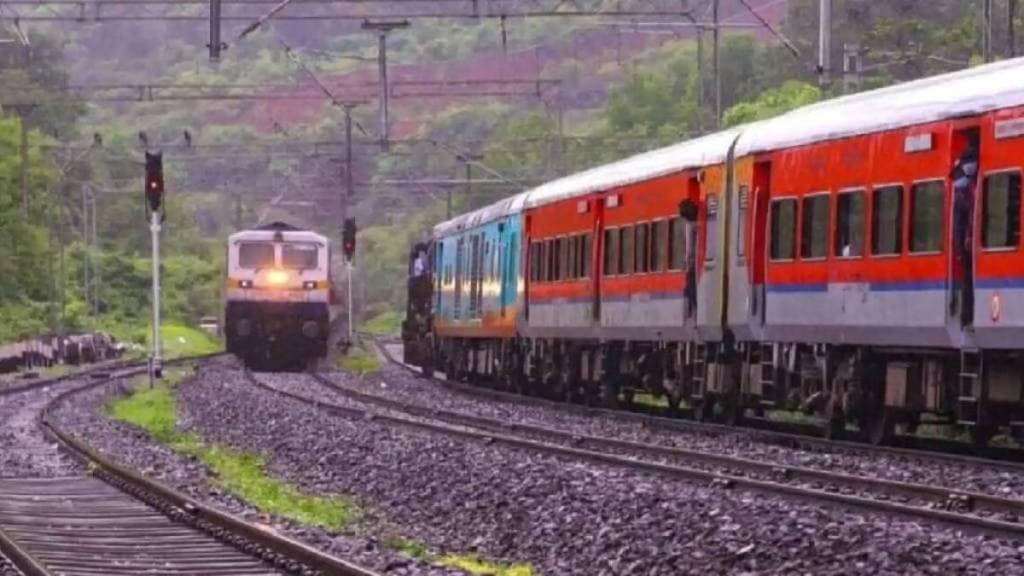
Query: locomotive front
x=277, y=295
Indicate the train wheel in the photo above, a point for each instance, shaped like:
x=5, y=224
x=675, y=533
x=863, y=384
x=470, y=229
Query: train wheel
x=835, y=428
x=880, y=428
x=704, y=410
x=732, y=411
x=982, y=433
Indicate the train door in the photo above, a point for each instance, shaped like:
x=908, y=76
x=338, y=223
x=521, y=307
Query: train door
x=758, y=260
x=460, y=252
x=597, y=248
x=475, y=258
x=689, y=213
x=965, y=162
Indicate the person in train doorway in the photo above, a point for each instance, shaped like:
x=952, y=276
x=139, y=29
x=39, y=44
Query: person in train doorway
x=964, y=175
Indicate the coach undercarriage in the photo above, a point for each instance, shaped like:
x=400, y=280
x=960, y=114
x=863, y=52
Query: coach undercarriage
x=854, y=391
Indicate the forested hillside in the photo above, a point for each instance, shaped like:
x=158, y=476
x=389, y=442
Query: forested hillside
x=622, y=89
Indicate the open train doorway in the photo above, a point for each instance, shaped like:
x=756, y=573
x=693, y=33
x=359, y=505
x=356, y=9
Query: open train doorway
x=965, y=167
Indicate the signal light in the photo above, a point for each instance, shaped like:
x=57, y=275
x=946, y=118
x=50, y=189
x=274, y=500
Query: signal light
x=348, y=239
x=154, y=179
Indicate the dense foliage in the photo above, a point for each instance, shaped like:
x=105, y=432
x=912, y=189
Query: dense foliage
x=613, y=102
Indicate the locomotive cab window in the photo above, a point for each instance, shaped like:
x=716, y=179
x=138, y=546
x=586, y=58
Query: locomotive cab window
x=1001, y=211
x=256, y=255
x=300, y=256
x=850, y=216
x=814, y=227
x=926, y=203
x=887, y=221
x=783, y=235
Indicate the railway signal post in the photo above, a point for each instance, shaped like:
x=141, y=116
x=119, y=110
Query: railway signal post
x=348, y=246
x=154, y=197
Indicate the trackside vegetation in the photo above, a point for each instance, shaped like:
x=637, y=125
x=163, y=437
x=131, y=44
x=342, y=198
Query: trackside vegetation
x=241, y=473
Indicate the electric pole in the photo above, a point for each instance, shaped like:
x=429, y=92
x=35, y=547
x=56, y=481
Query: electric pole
x=716, y=57
x=851, y=68
x=986, y=31
x=825, y=43
x=1012, y=28
x=24, y=161
x=216, y=45
x=382, y=29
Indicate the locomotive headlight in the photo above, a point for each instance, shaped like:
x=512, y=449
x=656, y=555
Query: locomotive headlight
x=309, y=285
x=245, y=283
x=277, y=277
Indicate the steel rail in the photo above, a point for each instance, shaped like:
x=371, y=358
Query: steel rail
x=277, y=550
x=808, y=435
x=434, y=423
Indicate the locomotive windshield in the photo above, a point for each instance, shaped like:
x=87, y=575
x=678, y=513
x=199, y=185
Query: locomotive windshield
x=256, y=255
x=300, y=256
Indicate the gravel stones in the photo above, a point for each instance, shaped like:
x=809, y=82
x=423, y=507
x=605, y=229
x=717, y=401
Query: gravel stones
x=996, y=479
x=85, y=416
x=563, y=516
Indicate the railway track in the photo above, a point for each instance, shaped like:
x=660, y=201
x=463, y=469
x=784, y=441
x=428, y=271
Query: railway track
x=934, y=503
x=112, y=520
x=784, y=434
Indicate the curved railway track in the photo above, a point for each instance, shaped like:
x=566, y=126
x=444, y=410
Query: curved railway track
x=113, y=520
x=974, y=511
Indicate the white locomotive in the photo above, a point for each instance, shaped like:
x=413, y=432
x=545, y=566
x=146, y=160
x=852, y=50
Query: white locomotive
x=277, y=295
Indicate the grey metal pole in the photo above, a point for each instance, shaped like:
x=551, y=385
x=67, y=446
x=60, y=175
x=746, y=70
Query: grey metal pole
x=382, y=63
x=1011, y=32
x=215, y=41
x=24, y=163
x=86, y=249
x=155, y=365
x=825, y=42
x=349, y=270
x=717, y=64
x=986, y=31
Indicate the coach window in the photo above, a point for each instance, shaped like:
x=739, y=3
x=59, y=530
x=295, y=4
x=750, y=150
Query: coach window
x=1001, y=211
x=676, y=244
x=256, y=255
x=659, y=235
x=626, y=250
x=574, y=251
x=586, y=250
x=611, y=252
x=849, y=237
x=783, y=222
x=926, y=200
x=887, y=221
x=545, y=258
x=814, y=227
x=711, y=232
x=640, y=258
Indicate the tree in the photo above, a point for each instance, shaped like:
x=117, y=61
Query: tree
x=792, y=94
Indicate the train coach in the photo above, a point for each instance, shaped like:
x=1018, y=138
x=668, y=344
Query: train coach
x=277, y=295
x=860, y=258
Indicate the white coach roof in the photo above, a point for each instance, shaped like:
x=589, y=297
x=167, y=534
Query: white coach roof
x=703, y=151
x=967, y=92
x=964, y=93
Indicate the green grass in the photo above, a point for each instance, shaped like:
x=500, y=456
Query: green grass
x=472, y=564
x=359, y=361
x=475, y=565
x=383, y=324
x=179, y=340
x=241, y=473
